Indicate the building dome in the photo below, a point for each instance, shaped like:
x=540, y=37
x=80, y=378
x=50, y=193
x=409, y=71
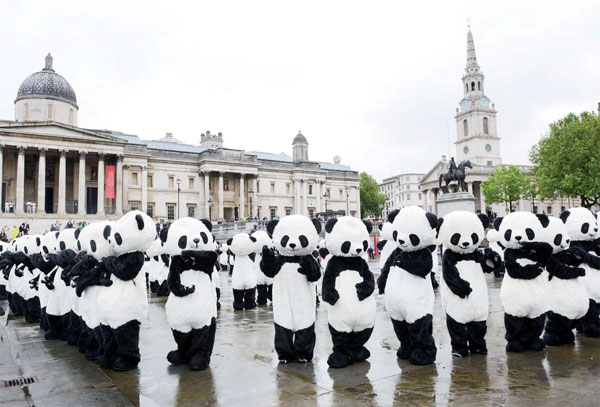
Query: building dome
x=300, y=139
x=47, y=84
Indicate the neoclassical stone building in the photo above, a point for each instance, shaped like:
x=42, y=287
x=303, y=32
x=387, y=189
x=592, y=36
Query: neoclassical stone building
x=70, y=172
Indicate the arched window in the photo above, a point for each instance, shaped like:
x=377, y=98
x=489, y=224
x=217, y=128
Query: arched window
x=26, y=112
x=472, y=85
x=466, y=87
x=466, y=127
x=485, y=126
x=71, y=116
x=478, y=85
x=49, y=111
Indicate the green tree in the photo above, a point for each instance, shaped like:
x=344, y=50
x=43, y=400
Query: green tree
x=370, y=198
x=507, y=185
x=567, y=160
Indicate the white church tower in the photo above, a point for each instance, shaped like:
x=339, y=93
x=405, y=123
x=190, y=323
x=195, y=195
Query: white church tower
x=476, y=134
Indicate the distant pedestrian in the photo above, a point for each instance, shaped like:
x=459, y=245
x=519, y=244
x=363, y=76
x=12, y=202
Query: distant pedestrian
x=371, y=250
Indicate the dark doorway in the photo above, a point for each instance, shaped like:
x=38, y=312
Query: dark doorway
x=92, y=200
x=3, y=195
x=49, y=200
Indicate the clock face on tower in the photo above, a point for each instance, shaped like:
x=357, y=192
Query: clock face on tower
x=483, y=102
x=464, y=104
x=466, y=150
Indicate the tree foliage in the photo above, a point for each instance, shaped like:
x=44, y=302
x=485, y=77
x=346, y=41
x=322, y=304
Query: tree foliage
x=567, y=160
x=370, y=198
x=507, y=185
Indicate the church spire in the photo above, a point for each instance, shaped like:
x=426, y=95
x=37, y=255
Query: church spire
x=471, y=57
x=49, y=60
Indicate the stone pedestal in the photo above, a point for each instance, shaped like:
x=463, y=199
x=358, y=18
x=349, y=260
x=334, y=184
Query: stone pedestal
x=456, y=201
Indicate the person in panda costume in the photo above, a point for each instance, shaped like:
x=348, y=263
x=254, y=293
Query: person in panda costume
x=17, y=278
x=523, y=291
x=243, y=278
x=151, y=264
x=566, y=292
x=582, y=228
x=385, y=245
x=3, y=280
x=223, y=256
x=294, y=271
x=348, y=287
x=46, y=265
x=464, y=288
x=8, y=263
x=264, y=284
x=405, y=281
x=28, y=288
x=493, y=238
x=123, y=302
x=192, y=305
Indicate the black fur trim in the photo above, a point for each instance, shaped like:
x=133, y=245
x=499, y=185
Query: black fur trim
x=317, y=223
x=207, y=223
x=432, y=220
x=271, y=226
x=392, y=215
x=498, y=222
x=330, y=224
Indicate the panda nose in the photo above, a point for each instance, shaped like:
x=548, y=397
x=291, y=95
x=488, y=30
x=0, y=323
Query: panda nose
x=358, y=250
x=400, y=241
x=292, y=245
x=465, y=244
x=518, y=238
x=196, y=240
x=595, y=229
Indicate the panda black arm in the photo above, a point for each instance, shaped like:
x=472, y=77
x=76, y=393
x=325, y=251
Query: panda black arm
x=174, y=278
x=557, y=268
x=592, y=261
x=22, y=258
x=203, y=260
x=328, y=291
x=85, y=263
x=323, y=252
x=42, y=265
x=310, y=268
x=126, y=266
x=541, y=251
x=270, y=263
x=451, y=276
x=365, y=288
x=418, y=262
x=489, y=260
x=34, y=282
x=515, y=270
x=49, y=279
x=89, y=278
x=381, y=244
x=385, y=271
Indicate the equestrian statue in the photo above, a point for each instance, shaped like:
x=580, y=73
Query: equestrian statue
x=455, y=173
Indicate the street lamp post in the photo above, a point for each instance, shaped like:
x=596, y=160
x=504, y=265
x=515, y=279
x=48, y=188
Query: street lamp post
x=178, y=189
x=325, y=200
x=210, y=202
x=250, y=195
x=347, y=202
x=381, y=210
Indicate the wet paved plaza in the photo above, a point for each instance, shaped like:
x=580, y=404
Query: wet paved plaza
x=244, y=369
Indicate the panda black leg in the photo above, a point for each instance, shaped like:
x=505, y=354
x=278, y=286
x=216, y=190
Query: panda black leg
x=357, y=345
x=218, y=292
x=261, y=290
x=401, y=330
x=203, y=341
x=422, y=343
x=90, y=346
x=284, y=343
x=590, y=323
x=557, y=329
x=238, y=299
x=458, y=337
x=514, y=327
x=11, y=301
x=127, y=337
x=163, y=289
x=304, y=344
x=476, y=331
x=3, y=292
x=531, y=336
x=153, y=286
x=74, y=329
x=83, y=334
x=250, y=298
x=18, y=305
x=340, y=357
x=181, y=355
x=95, y=341
x=109, y=347
x=33, y=310
x=499, y=272
x=270, y=292
x=43, y=319
x=55, y=327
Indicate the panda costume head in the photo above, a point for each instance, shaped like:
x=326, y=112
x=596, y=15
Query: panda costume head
x=49, y=243
x=520, y=227
x=295, y=235
x=67, y=240
x=94, y=239
x=262, y=239
x=242, y=244
x=385, y=231
x=187, y=234
x=462, y=231
x=557, y=235
x=347, y=236
x=156, y=249
x=413, y=228
x=33, y=245
x=581, y=224
x=134, y=232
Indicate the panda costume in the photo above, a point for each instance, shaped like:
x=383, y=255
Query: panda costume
x=405, y=281
x=17, y=277
x=264, y=284
x=582, y=228
x=123, y=303
x=567, y=296
x=29, y=281
x=46, y=265
x=493, y=238
x=192, y=305
x=3, y=280
x=464, y=288
x=243, y=278
x=8, y=270
x=294, y=271
x=523, y=291
x=348, y=287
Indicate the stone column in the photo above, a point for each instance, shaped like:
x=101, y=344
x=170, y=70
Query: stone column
x=295, y=191
x=81, y=184
x=126, y=180
x=41, y=192
x=144, y=207
x=62, y=183
x=305, y=200
x=358, y=215
x=206, y=194
x=100, y=210
x=242, y=211
x=318, y=192
x=254, y=208
x=221, y=209
x=19, y=201
x=119, y=187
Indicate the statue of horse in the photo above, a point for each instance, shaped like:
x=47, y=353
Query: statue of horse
x=458, y=176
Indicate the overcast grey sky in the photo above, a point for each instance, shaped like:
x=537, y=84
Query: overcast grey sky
x=375, y=82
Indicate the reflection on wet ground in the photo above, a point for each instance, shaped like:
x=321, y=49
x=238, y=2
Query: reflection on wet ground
x=244, y=369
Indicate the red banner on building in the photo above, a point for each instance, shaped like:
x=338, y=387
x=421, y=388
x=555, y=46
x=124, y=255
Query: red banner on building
x=109, y=191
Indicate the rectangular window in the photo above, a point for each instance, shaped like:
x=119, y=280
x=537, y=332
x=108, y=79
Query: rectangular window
x=328, y=193
x=490, y=164
x=273, y=212
x=171, y=182
x=225, y=185
x=191, y=211
x=311, y=213
x=257, y=187
x=420, y=197
x=288, y=188
x=170, y=211
x=134, y=178
x=134, y=206
x=549, y=210
x=49, y=111
x=408, y=197
x=272, y=187
x=288, y=211
x=150, y=185
x=191, y=185
x=150, y=210
x=310, y=189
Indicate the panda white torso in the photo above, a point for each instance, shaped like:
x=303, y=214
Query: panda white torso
x=28, y=291
x=243, y=276
x=123, y=301
x=12, y=282
x=475, y=306
x=195, y=310
x=567, y=297
x=59, y=301
x=591, y=280
x=524, y=298
x=223, y=258
x=151, y=268
x=260, y=276
x=349, y=314
x=216, y=278
x=294, y=298
x=388, y=248
x=75, y=304
x=88, y=306
x=42, y=291
x=408, y=297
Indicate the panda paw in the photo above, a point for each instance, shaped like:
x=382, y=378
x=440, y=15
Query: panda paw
x=331, y=296
x=364, y=290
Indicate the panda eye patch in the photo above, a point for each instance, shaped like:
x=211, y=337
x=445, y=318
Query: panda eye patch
x=507, y=234
x=285, y=240
x=455, y=239
x=475, y=238
x=303, y=240
x=78, y=245
x=63, y=246
x=395, y=235
x=45, y=250
x=38, y=241
x=25, y=249
x=414, y=239
x=585, y=227
x=118, y=239
x=346, y=247
x=365, y=245
x=93, y=245
x=530, y=233
x=182, y=243
x=557, y=239
x=204, y=237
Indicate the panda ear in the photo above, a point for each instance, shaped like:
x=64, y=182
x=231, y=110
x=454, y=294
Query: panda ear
x=229, y=241
x=271, y=227
x=498, y=222
x=56, y=234
x=140, y=221
x=439, y=225
x=164, y=233
x=77, y=232
x=432, y=220
x=207, y=223
x=564, y=216
x=392, y=215
x=485, y=221
x=369, y=225
x=253, y=239
x=380, y=226
x=543, y=219
x=330, y=224
x=317, y=224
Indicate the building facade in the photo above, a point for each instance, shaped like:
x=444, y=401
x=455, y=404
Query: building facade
x=402, y=190
x=65, y=171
